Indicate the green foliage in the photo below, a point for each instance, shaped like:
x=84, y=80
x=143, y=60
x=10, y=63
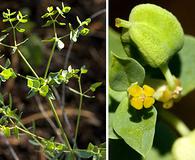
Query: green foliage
x=15, y=19
x=187, y=58
x=31, y=48
x=80, y=30
x=7, y=74
x=94, y=86
x=123, y=72
x=3, y=37
x=143, y=38
x=135, y=127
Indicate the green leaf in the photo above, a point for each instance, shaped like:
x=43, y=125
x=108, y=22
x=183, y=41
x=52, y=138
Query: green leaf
x=45, y=15
x=21, y=30
x=115, y=44
x=8, y=73
x=118, y=96
x=33, y=142
x=74, y=34
x=49, y=40
x=136, y=128
x=84, y=31
x=83, y=70
x=7, y=29
x=65, y=9
x=50, y=9
x=82, y=153
x=50, y=95
x=44, y=90
x=94, y=86
x=123, y=72
x=16, y=132
x=33, y=83
x=187, y=58
x=6, y=131
x=3, y=37
x=61, y=23
x=7, y=63
x=112, y=133
x=154, y=154
x=48, y=23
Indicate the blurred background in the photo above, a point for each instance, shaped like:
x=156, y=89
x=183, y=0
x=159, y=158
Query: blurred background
x=185, y=109
x=89, y=51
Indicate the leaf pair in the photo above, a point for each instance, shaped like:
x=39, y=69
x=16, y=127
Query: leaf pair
x=135, y=127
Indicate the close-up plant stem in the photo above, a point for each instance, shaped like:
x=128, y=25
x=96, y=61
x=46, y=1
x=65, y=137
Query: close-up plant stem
x=79, y=111
x=59, y=124
x=168, y=76
x=50, y=58
x=174, y=121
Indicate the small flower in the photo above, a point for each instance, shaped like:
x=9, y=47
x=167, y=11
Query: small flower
x=141, y=97
x=167, y=96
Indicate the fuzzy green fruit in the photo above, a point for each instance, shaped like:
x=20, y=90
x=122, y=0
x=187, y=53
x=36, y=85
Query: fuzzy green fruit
x=155, y=31
x=184, y=147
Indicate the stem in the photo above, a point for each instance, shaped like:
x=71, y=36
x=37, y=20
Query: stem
x=66, y=120
x=168, y=76
x=5, y=45
x=14, y=34
x=22, y=56
x=79, y=112
x=20, y=53
x=77, y=92
x=174, y=121
x=59, y=124
x=50, y=58
x=25, y=130
x=54, y=27
x=122, y=23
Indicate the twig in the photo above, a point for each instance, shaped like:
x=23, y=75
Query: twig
x=62, y=103
x=98, y=13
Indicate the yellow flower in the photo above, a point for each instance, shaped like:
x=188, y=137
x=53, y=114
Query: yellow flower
x=141, y=97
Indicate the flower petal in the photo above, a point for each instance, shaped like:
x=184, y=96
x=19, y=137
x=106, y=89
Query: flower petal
x=148, y=91
x=148, y=102
x=135, y=90
x=137, y=103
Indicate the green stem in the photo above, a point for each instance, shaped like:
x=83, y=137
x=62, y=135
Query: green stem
x=14, y=33
x=79, y=112
x=25, y=130
x=174, y=121
x=77, y=92
x=5, y=45
x=122, y=23
x=168, y=76
x=24, y=59
x=59, y=124
x=50, y=58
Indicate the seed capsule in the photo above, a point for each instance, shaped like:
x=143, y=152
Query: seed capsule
x=155, y=31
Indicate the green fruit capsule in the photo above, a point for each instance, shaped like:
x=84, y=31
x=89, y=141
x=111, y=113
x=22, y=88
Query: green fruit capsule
x=155, y=31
